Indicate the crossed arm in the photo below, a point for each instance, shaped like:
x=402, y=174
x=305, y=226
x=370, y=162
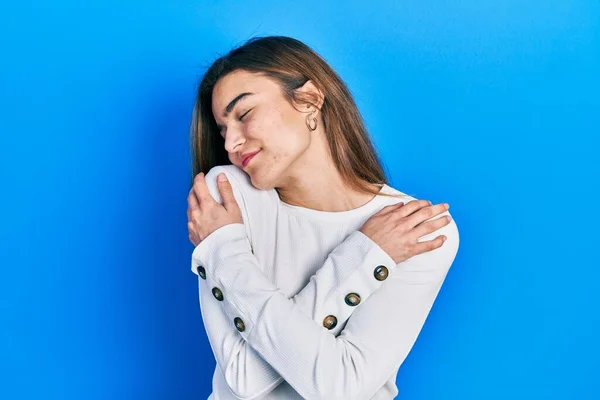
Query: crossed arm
x=260, y=337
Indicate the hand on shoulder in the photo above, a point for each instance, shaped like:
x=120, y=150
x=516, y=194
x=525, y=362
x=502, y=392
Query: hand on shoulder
x=205, y=212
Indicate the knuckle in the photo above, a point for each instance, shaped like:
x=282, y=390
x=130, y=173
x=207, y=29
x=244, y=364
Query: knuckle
x=415, y=250
x=385, y=209
x=426, y=213
x=430, y=226
x=442, y=221
x=195, y=213
x=412, y=203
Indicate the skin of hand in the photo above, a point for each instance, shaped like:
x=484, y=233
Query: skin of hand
x=205, y=214
x=396, y=228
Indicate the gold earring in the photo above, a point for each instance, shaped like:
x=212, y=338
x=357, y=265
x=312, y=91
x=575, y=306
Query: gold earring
x=308, y=121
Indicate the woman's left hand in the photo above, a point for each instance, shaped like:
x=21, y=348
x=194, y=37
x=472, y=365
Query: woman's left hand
x=205, y=214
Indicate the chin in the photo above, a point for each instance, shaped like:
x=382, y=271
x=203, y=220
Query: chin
x=261, y=184
x=262, y=181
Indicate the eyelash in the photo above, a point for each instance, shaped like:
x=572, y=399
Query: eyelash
x=241, y=117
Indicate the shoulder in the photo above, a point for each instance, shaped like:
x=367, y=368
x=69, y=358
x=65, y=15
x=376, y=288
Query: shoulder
x=234, y=174
x=398, y=195
x=240, y=182
x=255, y=204
x=450, y=246
x=211, y=182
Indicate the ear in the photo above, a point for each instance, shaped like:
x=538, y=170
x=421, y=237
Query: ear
x=313, y=94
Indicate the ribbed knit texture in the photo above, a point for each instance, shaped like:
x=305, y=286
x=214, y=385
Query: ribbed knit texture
x=283, y=272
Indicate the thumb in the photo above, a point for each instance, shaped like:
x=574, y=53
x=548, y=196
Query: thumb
x=226, y=192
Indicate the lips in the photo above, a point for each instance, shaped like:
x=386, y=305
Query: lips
x=249, y=157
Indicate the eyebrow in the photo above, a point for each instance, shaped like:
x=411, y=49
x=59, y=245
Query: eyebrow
x=233, y=102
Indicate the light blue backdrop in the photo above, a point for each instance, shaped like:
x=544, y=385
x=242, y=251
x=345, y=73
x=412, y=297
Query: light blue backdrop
x=491, y=106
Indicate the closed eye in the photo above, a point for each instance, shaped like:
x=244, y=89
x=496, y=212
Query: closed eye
x=241, y=117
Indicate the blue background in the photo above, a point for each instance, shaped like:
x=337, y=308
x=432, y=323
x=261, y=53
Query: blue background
x=491, y=106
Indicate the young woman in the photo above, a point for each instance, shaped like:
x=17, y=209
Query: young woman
x=315, y=276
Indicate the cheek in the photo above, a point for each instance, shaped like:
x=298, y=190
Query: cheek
x=283, y=131
x=281, y=136
x=265, y=127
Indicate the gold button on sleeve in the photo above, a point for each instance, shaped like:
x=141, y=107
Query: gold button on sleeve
x=352, y=299
x=217, y=293
x=381, y=273
x=239, y=324
x=330, y=322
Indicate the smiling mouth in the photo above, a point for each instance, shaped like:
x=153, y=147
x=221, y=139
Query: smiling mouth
x=248, y=159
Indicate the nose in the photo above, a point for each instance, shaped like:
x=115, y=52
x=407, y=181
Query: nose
x=233, y=139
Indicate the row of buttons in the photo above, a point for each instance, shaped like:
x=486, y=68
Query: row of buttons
x=353, y=299
x=218, y=294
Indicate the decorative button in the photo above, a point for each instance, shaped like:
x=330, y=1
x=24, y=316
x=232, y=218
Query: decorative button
x=201, y=271
x=217, y=293
x=352, y=299
x=330, y=322
x=381, y=273
x=239, y=324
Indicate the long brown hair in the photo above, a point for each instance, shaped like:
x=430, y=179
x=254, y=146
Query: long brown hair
x=291, y=63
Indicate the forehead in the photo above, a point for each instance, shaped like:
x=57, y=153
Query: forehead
x=237, y=82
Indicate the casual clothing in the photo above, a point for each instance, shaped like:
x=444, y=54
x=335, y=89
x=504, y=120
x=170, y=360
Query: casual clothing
x=298, y=303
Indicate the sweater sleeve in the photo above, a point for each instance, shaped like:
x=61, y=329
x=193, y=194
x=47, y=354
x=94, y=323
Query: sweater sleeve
x=289, y=340
x=247, y=374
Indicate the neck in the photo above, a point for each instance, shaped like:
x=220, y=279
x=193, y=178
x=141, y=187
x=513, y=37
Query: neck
x=314, y=182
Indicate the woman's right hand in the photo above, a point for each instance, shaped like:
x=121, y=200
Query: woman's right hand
x=396, y=228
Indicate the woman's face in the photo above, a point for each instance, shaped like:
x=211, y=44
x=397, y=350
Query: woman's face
x=254, y=117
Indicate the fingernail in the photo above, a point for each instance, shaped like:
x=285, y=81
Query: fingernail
x=222, y=177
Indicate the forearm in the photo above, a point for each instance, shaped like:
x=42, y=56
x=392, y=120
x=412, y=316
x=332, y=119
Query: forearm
x=346, y=279
x=302, y=350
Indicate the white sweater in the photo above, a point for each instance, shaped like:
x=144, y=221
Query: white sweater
x=298, y=303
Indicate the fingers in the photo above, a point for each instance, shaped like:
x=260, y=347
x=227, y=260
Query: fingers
x=193, y=204
x=192, y=200
x=428, y=227
x=201, y=190
x=428, y=245
x=390, y=208
x=413, y=206
x=426, y=213
x=226, y=192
